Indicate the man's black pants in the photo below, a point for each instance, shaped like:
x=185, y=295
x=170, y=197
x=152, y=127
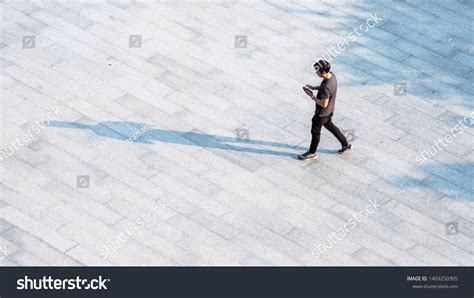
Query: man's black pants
x=318, y=123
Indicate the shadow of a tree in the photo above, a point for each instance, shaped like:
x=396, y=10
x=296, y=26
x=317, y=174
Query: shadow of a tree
x=414, y=46
x=400, y=48
x=453, y=180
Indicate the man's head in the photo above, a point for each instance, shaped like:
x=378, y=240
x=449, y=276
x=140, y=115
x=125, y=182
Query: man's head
x=322, y=68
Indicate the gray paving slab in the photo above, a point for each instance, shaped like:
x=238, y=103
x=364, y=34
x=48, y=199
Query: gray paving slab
x=199, y=107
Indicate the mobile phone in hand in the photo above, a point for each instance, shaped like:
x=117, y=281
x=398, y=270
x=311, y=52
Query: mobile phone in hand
x=307, y=91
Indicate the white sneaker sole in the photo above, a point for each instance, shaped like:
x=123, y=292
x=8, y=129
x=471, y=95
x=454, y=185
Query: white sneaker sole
x=311, y=158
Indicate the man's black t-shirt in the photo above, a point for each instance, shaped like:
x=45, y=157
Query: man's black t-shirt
x=327, y=89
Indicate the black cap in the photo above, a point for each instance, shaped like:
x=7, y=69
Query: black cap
x=322, y=65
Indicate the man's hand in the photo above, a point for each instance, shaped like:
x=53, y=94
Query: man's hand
x=312, y=87
x=308, y=91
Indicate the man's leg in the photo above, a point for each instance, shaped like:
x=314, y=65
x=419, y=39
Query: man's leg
x=317, y=124
x=336, y=132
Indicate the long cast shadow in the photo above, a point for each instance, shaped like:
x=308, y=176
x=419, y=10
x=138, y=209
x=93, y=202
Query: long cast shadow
x=143, y=133
x=453, y=180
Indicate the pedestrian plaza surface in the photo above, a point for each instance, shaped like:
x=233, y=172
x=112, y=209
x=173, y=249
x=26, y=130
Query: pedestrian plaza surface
x=167, y=133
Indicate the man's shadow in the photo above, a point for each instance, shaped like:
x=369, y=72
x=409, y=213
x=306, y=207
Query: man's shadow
x=145, y=134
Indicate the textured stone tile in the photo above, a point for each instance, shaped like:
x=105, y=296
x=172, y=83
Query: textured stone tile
x=264, y=251
x=369, y=257
x=37, y=247
x=233, y=202
x=56, y=240
x=436, y=244
x=32, y=208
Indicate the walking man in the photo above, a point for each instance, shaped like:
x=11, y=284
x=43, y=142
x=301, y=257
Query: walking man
x=325, y=103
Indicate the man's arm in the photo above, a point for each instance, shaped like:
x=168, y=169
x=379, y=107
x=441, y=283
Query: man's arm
x=312, y=87
x=320, y=102
x=324, y=94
